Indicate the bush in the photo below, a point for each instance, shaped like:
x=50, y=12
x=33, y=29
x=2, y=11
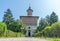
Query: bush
x=13, y=34
x=3, y=29
x=38, y=34
x=55, y=29
x=10, y=33
x=47, y=32
x=44, y=33
x=4, y=32
x=17, y=26
x=50, y=31
x=19, y=34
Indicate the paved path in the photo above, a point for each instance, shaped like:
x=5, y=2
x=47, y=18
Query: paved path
x=22, y=39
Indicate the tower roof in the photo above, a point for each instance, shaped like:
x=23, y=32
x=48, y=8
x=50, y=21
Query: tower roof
x=29, y=9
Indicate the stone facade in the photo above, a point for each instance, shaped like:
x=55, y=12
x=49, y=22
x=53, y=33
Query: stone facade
x=30, y=21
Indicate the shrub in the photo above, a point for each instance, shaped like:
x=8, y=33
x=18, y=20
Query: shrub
x=3, y=29
x=14, y=34
x=10, y=33
x=17, y=26
x=55, y=29
x=50, y=31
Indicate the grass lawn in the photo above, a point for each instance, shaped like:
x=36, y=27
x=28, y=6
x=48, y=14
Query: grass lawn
x=54, y=39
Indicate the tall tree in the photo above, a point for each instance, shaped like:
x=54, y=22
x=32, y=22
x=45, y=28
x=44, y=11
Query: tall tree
x=53, y=18
x=48, y=19
x=43, y=23
x=8, y=17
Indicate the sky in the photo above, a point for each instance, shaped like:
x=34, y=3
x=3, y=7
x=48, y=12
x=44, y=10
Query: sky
x=40, y=8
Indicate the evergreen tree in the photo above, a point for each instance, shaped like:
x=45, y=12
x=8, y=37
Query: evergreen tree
x=53, y=18
x=48, y=19
x=43, y=23
x=8, y=17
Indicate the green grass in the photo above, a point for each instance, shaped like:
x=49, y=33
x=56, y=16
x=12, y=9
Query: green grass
x=54, y=39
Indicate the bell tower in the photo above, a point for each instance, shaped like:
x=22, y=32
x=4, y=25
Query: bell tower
x=29, y=11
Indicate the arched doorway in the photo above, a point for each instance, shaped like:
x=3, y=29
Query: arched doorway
x=29, y=33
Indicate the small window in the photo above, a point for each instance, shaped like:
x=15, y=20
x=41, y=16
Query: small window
x=29, y=27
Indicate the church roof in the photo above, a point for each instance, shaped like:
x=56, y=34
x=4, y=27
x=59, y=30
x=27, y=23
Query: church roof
x=29, y=9
x=30, y=16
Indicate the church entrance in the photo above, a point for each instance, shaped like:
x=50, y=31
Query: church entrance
x=29, y=33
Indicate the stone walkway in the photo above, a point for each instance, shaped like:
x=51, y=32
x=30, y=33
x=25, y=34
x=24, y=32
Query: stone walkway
x=22, y=39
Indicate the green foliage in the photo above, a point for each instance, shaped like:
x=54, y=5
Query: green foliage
x=45, y=28
x=48, y=19
x=47, y=32
x=37, y=34
x=17, y=26
x=53, y=31
x=48, y=27
x=43, y=23
x=8, y=17
x=3, y=29
x=56, y=29
x=14, y=34
x=10, y=33
x=54, y=39
x=19, y=34
x=4, y=32
x=53, y=18
x=43, y=33
x=50, y=31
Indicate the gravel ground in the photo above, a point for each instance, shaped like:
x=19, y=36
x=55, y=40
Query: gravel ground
x=22, y=39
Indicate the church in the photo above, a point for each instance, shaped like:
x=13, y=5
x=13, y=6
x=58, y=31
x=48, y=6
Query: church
x=30, y=21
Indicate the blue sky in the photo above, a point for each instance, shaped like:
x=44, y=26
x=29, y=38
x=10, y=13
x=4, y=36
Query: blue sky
x=41, y=8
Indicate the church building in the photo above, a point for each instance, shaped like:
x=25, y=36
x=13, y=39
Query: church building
x=30, y=21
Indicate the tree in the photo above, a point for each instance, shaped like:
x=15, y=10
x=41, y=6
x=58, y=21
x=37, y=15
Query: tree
x=43, y=23
x=17, y=26
x=48, y=19
x=50, y=31
x=53, y=18
x=3, y=29
x=45, y=32
x=55, y=29
x=8, y=17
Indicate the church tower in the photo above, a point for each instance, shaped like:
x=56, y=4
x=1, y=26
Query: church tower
x=30, y=21
x=29, y=11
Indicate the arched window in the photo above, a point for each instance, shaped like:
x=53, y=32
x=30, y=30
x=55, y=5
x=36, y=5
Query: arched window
x=28, y=27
